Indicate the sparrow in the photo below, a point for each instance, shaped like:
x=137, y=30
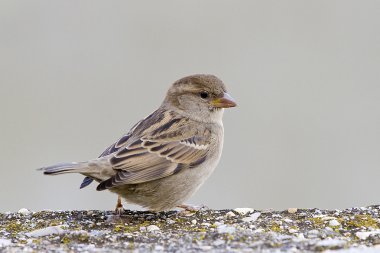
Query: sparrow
x=164, y=159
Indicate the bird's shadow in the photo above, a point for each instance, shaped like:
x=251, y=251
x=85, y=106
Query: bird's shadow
x=129, y=216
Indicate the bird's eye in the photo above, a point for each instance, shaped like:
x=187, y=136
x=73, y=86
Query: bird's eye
x=204, y=94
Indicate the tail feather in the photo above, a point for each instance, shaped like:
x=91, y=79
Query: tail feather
x=62, y=168
x=86, y=182
x=97, y=169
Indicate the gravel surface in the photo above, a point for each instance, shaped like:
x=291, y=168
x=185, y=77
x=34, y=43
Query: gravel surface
x=238, y=230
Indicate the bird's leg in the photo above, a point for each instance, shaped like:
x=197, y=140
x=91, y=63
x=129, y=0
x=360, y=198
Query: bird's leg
x=119, y=206
x=192, y=208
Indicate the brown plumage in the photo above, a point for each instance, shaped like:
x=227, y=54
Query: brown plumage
x=165, y=157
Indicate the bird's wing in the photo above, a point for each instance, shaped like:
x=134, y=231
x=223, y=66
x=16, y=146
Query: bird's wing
x=111, y=149
x=114, y=147
x=162, y=149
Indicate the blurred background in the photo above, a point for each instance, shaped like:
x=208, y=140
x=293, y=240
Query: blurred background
x=76, y=75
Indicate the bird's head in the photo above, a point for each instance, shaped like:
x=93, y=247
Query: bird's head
x=202, y=96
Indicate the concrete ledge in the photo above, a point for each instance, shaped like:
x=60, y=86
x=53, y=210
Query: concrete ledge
x=238, y=230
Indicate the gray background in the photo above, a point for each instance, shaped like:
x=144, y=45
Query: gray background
x=76, y=75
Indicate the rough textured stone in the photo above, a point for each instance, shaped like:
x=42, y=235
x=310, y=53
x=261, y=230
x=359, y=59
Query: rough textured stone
x=239, y=230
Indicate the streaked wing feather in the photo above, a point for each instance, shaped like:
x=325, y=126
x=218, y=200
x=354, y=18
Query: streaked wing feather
x=162, y=150
x=125, y=177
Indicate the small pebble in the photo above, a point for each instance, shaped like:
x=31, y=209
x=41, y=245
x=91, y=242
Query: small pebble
x=243, y=211
x=300, y=236
x=152, y=228
x=252, y=218
x=313, y=233
x=205, y=248
x=219, y=242
x=334, y=223
x=292, y=210
x=53, y=230
x=365, y=235
x=159, y=248
x=226, y=229
x=230, y=214
x=5, y=242
x=24, y=211
x=194, y=222
x=170, y=222
x=329, y=242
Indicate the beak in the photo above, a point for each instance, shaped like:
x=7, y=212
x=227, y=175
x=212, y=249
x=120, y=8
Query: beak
x=224, y=102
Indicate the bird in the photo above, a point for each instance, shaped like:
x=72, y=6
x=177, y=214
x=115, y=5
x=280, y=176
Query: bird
x=165, y=158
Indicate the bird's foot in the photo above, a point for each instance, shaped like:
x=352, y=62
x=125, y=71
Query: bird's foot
x=119, y=209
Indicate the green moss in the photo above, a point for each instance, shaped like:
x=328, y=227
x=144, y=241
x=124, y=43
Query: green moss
x=229, y=237
x=65, y=240
x=200, y=237
x=118, y=228
x=180, y=220
x=37, y=241
x=131, y=229
x=214, y=226
x=84, y=238
x=145, y=224
x=363, y=220
x=317, y=222
x=275, y=228
x=131, y=246
x=56, y=223
x=14, y=227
